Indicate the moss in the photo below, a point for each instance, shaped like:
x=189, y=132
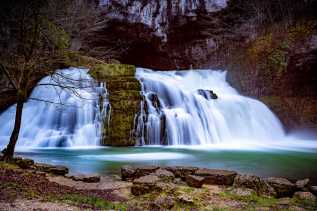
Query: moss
x=5, y=165
x=81, y=200
x=106, y=71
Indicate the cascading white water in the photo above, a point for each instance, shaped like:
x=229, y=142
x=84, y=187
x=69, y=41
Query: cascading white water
x=178, y=109
x=64, y=110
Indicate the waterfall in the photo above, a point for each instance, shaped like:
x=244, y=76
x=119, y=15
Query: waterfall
x=198, y=107
x=64, y=110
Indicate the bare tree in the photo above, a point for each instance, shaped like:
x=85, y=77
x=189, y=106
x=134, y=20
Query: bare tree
x=31, y=35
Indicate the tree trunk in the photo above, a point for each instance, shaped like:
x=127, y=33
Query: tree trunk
x=9, y=151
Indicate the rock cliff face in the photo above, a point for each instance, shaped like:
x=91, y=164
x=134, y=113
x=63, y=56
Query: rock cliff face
x=124, y=97
x=268, y=47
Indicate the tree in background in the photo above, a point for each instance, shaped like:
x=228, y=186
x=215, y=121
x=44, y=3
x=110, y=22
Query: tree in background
x=31, y=34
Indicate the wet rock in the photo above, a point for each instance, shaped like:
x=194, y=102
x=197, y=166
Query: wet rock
x=86, y=178
x=127, y=173
x=284, y=203
x=253, y=182
x=24, y=163
x=145, y=184
x=57, y=170
x=216, y=176
x=181, y=171
x=307, y=196
x=145, y=170
x=302, y=184
x=194, y=181
x=154, y=100
x=208, y=94
x=164, y=175
x=313, y=189
x=282, y=186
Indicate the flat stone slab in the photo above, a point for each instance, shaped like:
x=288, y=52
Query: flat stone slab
x=86, y=178
x=216, y=176
x=145, y=184
x=181, y=171
x=57, y=170
x=283, y=187
x=304, y=195
x=129, y=173
x=164, y=174
x=195, y=181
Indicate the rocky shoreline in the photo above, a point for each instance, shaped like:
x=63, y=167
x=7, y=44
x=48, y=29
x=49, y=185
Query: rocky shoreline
x=156, y=188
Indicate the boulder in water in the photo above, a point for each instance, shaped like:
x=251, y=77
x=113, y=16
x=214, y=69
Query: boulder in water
x=216, y=176
x=208, y=94
x=283, y=187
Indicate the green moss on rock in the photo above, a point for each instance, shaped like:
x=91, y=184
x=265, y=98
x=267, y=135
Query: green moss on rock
x=124, y=97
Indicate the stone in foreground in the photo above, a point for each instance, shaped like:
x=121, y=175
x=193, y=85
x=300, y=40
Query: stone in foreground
x=86, y=178
x=164, y=175
x=57, y=170
x=181, y=171
x=253, y=182
x=313, y=189
x=282, y=186
x=302, y=184
x=145, y=184
x=194, y=181
x=127, y=173
x=24, y=163
x=216, y=177
x=307, y=196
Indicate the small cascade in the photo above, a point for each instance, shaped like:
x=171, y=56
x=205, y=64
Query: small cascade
x=64, y=110
x=198, y=107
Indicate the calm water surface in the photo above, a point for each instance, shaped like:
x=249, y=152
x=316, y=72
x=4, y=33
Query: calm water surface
x=108, y=160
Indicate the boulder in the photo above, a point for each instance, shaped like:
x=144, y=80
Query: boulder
x=181, y=171
x=302, y=184
x=253, y=182
x=57, y=170
x=216, y=176
x=164, y=175
x=194, y=181
x=313, y=189
x=208, y=94
x=305, y=195
x=127, y=173
x=24, y=163
x=282, y=186
x=145, y=170
x=86, y=178
x=145, y=184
